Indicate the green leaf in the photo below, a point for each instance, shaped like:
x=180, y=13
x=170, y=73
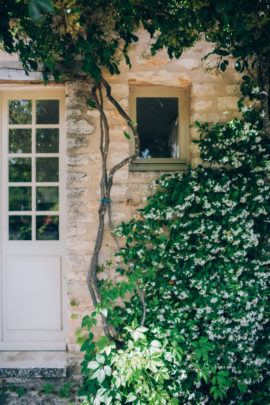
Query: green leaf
x=155, y=343
x=108, y=370
x=46, y=5
x=78, y=331
x=34, y=12
x=126, y=135
x=131, y=398
x=91, y=103
x=101, y=376
x=100, y=358
x=93, y=365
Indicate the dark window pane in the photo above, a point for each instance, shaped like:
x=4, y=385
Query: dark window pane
x=20, y=111
x=20, y=198
x=47, y=140
x=157, y=119
x=19, y=169
x=47, y=199
x=47, y=111
x=20, y=227
x=47, y=169
x=20, y=141
x=47, y=227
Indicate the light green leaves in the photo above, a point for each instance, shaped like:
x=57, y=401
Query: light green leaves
x=100, y=358
x=137, y=333
x=99, y=369
x=93, y=365
x=131, y=398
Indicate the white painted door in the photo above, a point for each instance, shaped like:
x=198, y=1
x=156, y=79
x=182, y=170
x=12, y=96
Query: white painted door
x=32, y=229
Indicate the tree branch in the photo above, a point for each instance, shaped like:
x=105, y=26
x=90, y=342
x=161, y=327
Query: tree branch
x=118, y=166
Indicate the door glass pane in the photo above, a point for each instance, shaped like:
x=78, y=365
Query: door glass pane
x=20, y=111
x=47, y=140
x=157, y=119
x=19, y=169
x=47, y=199
x=47, y=227
x=19, y=141
x=20, y=227
x=47, y=169
x=20, y=198
x=47, y=112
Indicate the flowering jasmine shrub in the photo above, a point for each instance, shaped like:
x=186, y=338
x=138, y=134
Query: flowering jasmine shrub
x=199, y=253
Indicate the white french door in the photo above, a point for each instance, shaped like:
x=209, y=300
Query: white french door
x=32, y=228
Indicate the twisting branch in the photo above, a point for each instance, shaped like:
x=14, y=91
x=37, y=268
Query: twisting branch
x=106, y=184
x=118, y=166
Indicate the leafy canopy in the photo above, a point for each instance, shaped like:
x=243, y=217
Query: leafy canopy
x=90, y=35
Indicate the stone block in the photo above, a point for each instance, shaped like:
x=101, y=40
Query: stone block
x=74, y=348
x=93, y=113
x=73, y=102
x=154, y=61
x=79, y=159
x=117, y=157
x=227, y=103
x=76, y=217
x=199, y=90
x=78, y=291
x=121, y=176
x=80, y=246
x=76, y=230
x=188, y=63
x=72, y=113
x=76, y=143
x=120, y=91
x=202, y=105
x=79, y=126
x=233, y=89
x=206, y=117
x=75, y=193
x=76, y=177
x=119, y=192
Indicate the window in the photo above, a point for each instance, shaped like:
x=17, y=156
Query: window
x=161, y=114
x=33, y=128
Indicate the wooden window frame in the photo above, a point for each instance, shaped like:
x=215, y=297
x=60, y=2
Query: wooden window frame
x=163, y=164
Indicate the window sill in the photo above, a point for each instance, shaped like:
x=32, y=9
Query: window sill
x=158, y=165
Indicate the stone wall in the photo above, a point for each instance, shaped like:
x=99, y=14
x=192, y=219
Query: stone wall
x=213, y=98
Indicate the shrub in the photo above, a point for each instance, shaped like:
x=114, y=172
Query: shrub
x=199, y=252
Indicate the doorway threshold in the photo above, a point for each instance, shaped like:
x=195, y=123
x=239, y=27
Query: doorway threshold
x=33, y=364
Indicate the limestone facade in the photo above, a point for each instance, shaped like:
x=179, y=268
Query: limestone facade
x=212, y=98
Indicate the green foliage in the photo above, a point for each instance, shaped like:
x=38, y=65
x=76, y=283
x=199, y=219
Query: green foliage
x=64, y=391
x=200, y=252
x=47, y=388
x=95, y=34
x=20, y=391
x=137, y=374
